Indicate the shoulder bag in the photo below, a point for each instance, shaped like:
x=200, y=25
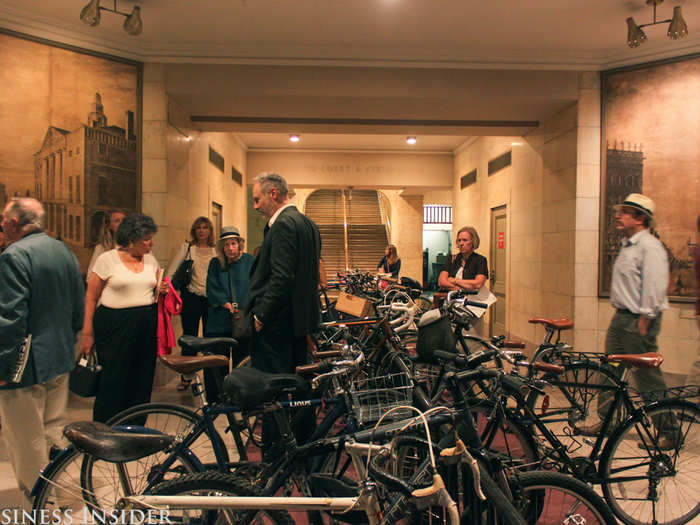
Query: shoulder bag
x=183, y=275
x=241, y=322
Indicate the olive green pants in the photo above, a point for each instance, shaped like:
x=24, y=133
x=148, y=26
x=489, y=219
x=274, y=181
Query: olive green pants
x=623, y=337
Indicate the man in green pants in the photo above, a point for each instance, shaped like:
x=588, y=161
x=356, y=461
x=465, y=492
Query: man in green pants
x=638, y=293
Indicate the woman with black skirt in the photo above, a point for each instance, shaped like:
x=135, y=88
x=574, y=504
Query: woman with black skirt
x=123, y=327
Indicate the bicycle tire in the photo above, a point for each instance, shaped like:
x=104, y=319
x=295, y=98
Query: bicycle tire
x=220, y=484
x=665, y=487
x=103, y=487
x=496, y=510
x=560, y=405
x=506, y=436
x=174, y=419
x=553, y=497
x=63, y=472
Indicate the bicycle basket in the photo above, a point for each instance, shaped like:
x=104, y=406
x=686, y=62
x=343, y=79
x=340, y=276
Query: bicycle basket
x=373, y=397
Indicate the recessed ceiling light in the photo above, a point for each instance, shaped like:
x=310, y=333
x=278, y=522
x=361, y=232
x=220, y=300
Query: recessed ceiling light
x=294, y=138
x=411, y=140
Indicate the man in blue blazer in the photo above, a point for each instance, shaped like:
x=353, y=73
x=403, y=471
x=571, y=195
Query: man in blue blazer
x=283, y=295
x=42, y=295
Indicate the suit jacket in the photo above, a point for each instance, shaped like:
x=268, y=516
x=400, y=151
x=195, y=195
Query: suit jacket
x=284, y=277
x=41, y=293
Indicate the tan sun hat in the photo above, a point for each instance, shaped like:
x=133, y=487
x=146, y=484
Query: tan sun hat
x=641, y=203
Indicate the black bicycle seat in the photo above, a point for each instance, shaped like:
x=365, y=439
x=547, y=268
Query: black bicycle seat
x=249, y=387
x=114, y=444
x=203, y=344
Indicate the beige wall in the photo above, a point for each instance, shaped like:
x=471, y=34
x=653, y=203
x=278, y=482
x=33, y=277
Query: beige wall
x=362, y=170
x=179, y=182
x=552, y=190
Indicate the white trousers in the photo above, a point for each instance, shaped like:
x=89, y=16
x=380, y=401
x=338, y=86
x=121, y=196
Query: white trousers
x=32, y=420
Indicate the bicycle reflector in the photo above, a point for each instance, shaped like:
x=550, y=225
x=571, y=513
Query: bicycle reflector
x=545, y=405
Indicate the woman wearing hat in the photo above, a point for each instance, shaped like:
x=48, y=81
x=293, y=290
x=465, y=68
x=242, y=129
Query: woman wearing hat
x=228, y=280
x=200, y=249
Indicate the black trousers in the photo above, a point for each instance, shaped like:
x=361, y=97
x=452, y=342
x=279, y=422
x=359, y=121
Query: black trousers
x=274, y=349
x=214, y=376
x=125, y=339
x=194, y=308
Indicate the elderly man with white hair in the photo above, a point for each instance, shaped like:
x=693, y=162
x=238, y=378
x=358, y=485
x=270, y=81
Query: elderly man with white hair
x=42, y=296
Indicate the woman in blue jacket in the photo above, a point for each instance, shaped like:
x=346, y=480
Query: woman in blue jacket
x=228, y=280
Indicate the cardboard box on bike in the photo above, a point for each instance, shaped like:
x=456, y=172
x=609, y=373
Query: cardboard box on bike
x=353, y=305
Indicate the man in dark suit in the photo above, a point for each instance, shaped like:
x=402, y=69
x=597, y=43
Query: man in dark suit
x=283, y=295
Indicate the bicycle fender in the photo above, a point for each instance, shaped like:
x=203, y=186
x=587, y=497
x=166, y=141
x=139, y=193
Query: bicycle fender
x=49, y=469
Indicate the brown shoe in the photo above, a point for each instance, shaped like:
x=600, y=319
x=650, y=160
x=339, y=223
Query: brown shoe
x=664, y=443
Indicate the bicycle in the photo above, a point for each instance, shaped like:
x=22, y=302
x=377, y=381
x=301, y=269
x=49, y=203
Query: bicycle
x=651, y=483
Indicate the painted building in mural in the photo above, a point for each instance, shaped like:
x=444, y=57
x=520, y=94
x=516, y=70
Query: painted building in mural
x=80, y=175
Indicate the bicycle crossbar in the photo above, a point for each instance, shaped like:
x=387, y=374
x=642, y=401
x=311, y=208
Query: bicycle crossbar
x=241, y=502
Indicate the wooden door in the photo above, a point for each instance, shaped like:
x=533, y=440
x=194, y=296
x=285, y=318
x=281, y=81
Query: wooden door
x=498, y=269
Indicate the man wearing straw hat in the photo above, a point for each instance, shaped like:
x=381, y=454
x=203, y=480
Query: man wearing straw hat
x=638, y=294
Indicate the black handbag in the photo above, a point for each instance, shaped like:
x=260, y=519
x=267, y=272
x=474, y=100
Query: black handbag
x=85, y=377
x=183, y=275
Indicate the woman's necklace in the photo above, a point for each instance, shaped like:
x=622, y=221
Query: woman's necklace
x=132, y=262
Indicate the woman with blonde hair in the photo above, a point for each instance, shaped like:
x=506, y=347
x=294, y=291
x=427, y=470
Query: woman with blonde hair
x=107, y=236
x=390, y=263
x=467, y=270
x=200, y=250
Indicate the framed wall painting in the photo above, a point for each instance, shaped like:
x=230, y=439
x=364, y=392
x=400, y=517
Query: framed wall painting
x=72, y=124
x=651, y=145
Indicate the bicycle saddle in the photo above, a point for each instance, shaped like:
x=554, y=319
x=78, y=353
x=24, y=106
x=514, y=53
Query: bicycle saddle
x=203, y=344
x=557, y=324
x=115, y=444
x=249, y=387
x=191, y=364
x=649, y=360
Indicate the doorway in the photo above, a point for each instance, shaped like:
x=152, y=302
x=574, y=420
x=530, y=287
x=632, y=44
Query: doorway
x=499, y=269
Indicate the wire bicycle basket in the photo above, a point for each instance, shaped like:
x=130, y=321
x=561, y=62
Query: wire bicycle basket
x=372, y=397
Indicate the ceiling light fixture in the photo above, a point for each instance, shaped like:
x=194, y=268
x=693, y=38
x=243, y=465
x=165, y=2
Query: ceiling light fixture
x=411, y=140
x=294, y=138
x=677, y=28
x=90, y=15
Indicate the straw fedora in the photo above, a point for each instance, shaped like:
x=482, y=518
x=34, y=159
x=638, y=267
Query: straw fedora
x=641, y=203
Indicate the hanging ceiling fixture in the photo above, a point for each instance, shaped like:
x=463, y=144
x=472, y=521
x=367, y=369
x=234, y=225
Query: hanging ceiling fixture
x=90, y=14
x=677, y=29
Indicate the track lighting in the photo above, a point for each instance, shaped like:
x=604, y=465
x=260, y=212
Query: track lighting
x=677, y=28
x=90, y=15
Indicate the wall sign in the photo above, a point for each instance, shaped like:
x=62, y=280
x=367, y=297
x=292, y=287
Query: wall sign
x=501, y=237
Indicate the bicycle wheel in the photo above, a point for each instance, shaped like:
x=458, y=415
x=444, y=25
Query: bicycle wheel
x=177, y=420
x=62, y=493
x=506, y=436
x=496, y=510
x=648, y=485
x=572, y=400
x=216, y=483
x=551, y=497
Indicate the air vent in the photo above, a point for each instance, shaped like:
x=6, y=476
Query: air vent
x=216, y=159
x=236, y=176
x=468, y=179
x=500, y=162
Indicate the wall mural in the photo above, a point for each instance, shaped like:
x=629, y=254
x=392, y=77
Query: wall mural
x=72, y=131
x=651, y=133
